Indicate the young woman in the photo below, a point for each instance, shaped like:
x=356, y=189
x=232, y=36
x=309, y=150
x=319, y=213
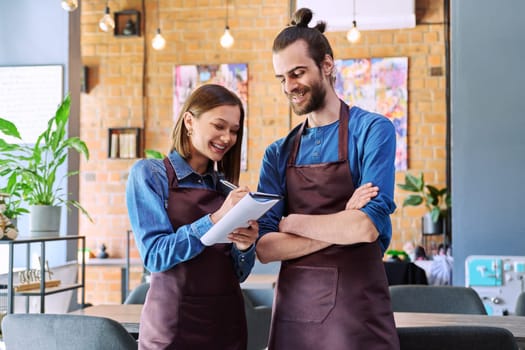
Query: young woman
x=194, y=300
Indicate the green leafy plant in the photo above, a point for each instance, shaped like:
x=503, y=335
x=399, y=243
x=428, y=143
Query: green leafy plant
x=153, y=154
x=35, y=166
x=437, y=201
x=11, y=198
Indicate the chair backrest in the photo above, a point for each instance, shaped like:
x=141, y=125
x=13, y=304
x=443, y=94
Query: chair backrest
x=258, y=319
x=520, y=305
x=64, y=331
x=456, y=338
x=436, y=299
x=138, y=294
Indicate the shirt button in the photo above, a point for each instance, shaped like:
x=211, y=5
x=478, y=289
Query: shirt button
x=317, y=142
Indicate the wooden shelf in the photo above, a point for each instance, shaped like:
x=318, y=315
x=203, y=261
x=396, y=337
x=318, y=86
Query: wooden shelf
x=124, y=143
x=127, y=23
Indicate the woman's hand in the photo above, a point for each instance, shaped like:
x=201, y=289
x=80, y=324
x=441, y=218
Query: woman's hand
x=233, y=198
x=244, y=237
x=361, y=196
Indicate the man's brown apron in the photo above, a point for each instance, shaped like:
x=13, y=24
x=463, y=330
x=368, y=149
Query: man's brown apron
x=198, y=303
x=336, y=298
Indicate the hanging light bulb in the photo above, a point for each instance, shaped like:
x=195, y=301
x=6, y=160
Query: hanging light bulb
x=227, y=39
x=353, y=34
x=69, y=5
x=158, y=42
x=106, y=23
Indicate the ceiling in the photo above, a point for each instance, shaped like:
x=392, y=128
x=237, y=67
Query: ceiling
x=369, y=14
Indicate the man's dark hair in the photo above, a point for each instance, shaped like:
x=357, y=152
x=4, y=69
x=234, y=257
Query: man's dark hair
x=318, y=45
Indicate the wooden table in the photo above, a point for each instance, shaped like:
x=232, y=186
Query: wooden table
x=129, y=317
x=515, y=324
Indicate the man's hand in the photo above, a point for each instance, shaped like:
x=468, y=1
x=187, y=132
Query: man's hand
x=362, y=195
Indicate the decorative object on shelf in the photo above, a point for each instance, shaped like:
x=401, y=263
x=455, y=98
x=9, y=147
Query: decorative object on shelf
x=35, y=166
x=124, y=142
x=226, y=38
x=106, y=23
x=127, y=23
x=437, y=202
x=353, y=34
x=30, y=279
x=158, y=43
x=7, y=229
x=69, y=5
x=102, y=254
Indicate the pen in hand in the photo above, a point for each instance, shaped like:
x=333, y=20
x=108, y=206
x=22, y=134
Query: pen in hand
x=228, y=184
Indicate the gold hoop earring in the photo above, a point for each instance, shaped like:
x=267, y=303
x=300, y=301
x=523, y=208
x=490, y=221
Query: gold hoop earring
x=189, y=132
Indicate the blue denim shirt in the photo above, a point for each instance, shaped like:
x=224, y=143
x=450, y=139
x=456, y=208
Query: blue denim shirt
x=371, y=154
x=147, y=196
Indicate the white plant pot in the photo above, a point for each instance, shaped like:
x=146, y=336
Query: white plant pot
x=44, y=221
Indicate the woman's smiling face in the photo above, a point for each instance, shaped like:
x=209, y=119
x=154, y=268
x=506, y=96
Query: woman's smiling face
x=212, y=135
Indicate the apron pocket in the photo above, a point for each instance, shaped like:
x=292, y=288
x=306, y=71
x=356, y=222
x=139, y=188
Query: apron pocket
x=306, y=294
x=203, y=316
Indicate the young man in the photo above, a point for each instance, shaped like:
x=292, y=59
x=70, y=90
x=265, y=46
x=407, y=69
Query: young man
x=332, y=291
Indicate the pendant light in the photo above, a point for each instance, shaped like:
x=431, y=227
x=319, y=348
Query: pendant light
x=353, y=34
x=158, y=42
x=69, y=5
x=226, y=38
x=106, y=23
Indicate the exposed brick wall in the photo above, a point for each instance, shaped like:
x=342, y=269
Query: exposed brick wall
x=132, y=86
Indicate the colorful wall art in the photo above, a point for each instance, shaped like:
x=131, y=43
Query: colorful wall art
x=378, y=85
x=234, y=76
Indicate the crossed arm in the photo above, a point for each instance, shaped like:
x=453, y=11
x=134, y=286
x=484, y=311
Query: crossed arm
x=301, y=234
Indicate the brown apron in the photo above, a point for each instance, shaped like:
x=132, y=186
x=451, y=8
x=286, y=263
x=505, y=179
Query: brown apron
x=198, y=303
x=336, y=298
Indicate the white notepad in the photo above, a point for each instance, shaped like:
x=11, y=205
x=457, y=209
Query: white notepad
x=250, y=207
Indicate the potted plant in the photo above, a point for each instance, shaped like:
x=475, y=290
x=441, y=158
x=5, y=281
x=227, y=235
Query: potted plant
x=35, y=168
x=437, y=201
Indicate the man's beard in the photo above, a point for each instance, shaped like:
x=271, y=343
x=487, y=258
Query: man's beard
x=316, y=101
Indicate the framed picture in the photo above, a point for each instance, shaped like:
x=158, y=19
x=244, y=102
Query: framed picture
x=378, y=85
x=234, y=76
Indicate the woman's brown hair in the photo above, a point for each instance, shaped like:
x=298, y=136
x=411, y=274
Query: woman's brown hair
x=203, y=99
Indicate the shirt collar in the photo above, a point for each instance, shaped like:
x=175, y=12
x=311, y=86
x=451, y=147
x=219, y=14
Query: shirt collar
x=183, y=169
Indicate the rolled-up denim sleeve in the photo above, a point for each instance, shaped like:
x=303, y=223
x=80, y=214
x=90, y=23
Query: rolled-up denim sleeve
x=146, y=196
x=378, y=167
x=243, y=261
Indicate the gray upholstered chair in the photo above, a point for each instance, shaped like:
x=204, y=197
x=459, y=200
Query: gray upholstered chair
x=138, y=294
x=64, y=332
x=520, y=305
x=436, y=299
x=258, y=319
x=456, y=338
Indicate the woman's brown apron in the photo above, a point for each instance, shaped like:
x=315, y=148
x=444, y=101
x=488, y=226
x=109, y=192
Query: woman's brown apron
x=198, y=303
x=336, y=298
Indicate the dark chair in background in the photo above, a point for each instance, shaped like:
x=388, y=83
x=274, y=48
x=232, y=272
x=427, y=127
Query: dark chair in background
x=138, y=294
x=436, y=299
x=456, y=338
x=402, y=272
x=63, y=331
x=258, y=319
x=520, y=305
